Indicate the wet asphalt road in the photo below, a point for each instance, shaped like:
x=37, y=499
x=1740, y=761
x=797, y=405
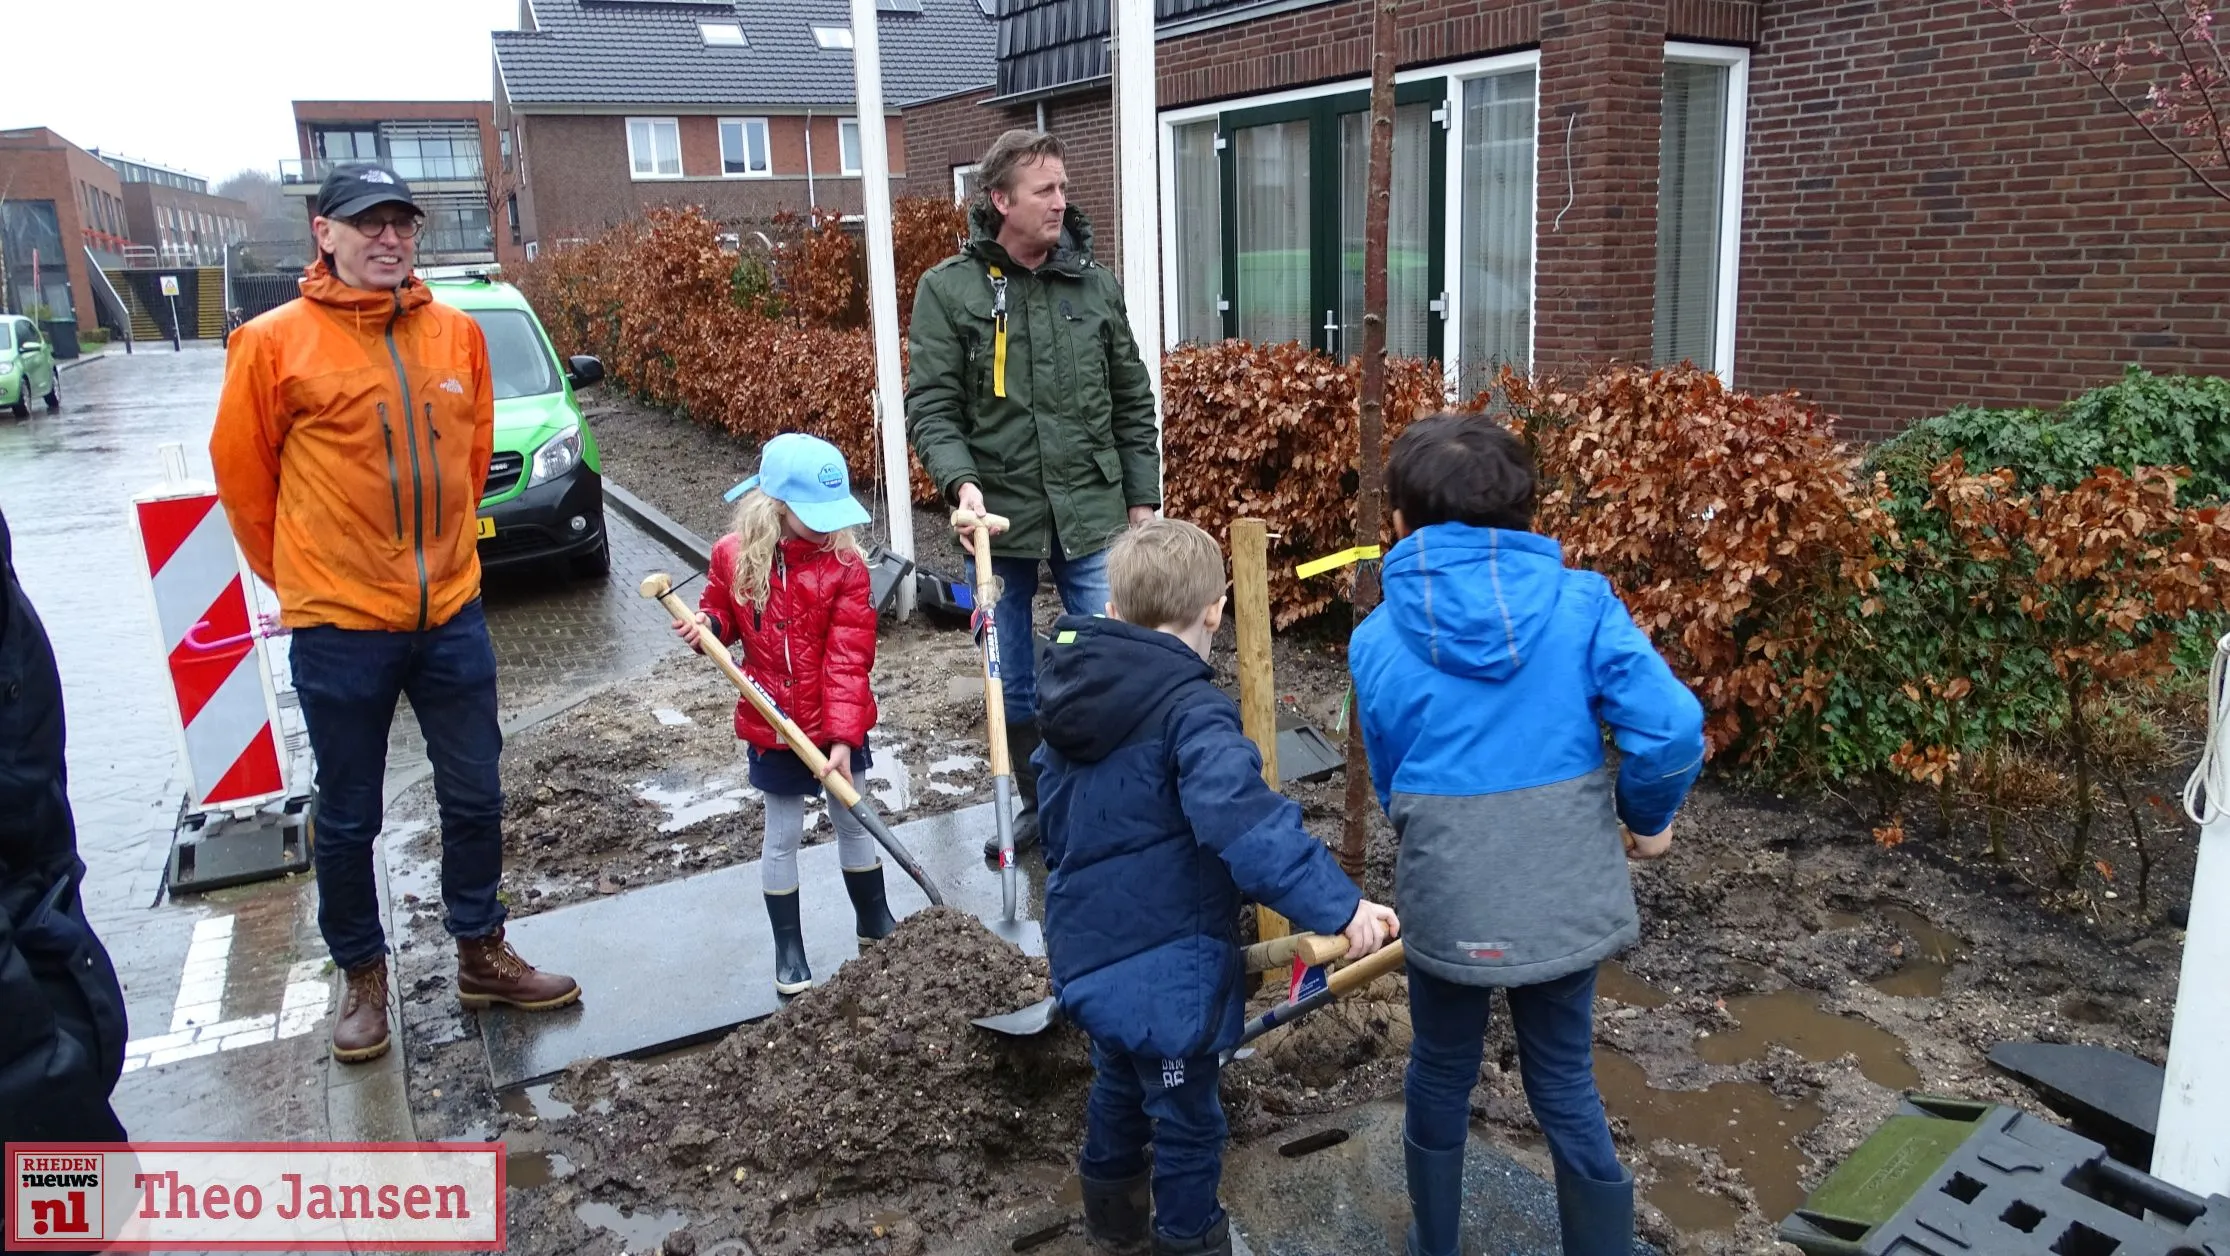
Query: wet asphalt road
x=248, y=957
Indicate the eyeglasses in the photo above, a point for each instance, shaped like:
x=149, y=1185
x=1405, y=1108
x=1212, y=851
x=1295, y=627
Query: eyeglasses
x=371, y=227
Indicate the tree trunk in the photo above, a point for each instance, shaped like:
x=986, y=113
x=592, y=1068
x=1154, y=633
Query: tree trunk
x=1368, y=526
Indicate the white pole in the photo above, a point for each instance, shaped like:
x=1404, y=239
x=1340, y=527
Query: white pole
x=1139, y=182
x=2192, y=1145
x=882, y=285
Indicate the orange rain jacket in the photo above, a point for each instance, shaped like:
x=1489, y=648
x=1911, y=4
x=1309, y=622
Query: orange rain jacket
x=351, y=448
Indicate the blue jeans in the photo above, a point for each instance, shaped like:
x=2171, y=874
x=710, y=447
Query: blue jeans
x=1173, y=1105
x=1555, y=1024
x=1083, y=586
x=349, y=680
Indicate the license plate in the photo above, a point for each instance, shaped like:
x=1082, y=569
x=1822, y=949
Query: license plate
x=487, y=528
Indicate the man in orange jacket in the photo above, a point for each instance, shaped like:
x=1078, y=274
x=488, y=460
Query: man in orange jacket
x=351, y=448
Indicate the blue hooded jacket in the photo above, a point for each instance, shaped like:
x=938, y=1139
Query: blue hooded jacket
x=1483, y=683
x=1156, y=820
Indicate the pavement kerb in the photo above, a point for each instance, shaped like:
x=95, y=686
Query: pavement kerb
x=656, y=522
x=72, y=364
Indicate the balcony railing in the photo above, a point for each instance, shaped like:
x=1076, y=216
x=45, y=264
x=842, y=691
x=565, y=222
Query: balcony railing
x=306, y=173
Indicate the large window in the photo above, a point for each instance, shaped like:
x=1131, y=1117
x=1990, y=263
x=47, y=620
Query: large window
x=1699, y=197
x=654, y=147
x=743, y=146
x=847, y=145
x=1265, y=208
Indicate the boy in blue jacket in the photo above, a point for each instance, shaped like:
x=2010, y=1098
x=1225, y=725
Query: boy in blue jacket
x=1483, y=682
x=1156, y=820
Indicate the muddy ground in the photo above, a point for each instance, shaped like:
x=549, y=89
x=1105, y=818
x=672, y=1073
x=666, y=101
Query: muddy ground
x=1794, y=978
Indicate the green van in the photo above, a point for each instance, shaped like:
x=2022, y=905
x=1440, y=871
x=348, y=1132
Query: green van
x=545, y=495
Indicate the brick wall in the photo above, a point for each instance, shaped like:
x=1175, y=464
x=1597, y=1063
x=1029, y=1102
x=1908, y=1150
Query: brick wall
x=38, y=165
x=1931, y=217
x=581, y=182
x=957, y=130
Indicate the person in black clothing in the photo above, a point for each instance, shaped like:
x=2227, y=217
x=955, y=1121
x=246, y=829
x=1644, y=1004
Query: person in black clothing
x=62, y=1028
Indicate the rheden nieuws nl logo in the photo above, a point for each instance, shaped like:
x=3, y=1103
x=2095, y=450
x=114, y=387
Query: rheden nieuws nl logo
x=254, y=1196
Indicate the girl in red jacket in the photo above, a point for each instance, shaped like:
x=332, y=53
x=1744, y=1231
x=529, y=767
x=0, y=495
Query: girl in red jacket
x=791, y=585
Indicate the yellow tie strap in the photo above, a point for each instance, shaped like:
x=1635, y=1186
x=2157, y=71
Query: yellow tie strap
x=1318, y=566
x=998, y=333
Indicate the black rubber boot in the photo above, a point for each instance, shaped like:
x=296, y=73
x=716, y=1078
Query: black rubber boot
x=791, y=974
x=865, y=885
x=1118, y=1215
x=1216, y=1242
x=1435, y=1198
x=1022, y=742
x=1598, y=1217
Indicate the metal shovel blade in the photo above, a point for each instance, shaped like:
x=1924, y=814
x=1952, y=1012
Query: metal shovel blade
x=1024, y=1023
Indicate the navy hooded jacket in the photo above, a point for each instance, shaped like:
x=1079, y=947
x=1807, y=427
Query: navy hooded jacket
x=1156, y=821
x=1483, y=682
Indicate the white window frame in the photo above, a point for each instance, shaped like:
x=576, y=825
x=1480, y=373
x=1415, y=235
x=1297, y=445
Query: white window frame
x=858, y=142
x=1730, y=205
x=1458, y=73
x=635, y=161
x=766, y=147
x=832, y=38
x=960, y=182
x=705, y=32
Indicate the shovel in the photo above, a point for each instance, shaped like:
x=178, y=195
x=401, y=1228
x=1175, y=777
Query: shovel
x=1009, y=927
x=1306, y=949
x=660, y=586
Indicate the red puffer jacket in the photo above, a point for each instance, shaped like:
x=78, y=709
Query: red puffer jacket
x=812, y=645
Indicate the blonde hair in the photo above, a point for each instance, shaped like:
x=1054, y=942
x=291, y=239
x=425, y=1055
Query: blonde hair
x=760, y=525
x=1164, y=572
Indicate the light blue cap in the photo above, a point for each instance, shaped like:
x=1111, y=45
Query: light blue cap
x=807, y=474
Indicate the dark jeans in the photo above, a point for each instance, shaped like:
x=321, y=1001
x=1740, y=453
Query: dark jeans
x=1173, y=1105
x=348, y=681
x=1083, y=586
x=1555, y=1024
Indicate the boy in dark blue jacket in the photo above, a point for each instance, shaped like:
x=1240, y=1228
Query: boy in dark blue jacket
x=1483, y=683
x=1156, y=820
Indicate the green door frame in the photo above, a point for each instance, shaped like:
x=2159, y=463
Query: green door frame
x=1323, y=114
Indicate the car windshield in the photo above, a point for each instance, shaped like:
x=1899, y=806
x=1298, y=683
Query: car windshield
x=517, y=356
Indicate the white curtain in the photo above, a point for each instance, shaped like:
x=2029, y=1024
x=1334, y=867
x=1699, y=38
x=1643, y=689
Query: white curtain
x=1199, y=241
x=1498, y=209
x=1408, y=236
x=1272, y=189
x=1691, y=186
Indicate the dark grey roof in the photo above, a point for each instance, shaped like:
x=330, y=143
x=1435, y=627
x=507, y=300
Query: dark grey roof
x=649, y=52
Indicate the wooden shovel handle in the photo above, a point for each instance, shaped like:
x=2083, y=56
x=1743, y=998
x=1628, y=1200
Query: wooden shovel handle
x=1366, y=970
x=661, y=586
x=1312, y=948
x=987, y=596
x=970, y=521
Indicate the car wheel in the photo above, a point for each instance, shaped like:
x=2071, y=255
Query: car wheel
x=22, y=406
x=596, y=564
x=54, y=390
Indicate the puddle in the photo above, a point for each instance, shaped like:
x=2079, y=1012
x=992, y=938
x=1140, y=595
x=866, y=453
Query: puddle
x=534, y=1101
x=1692, y=1207
x=1716, y=866
x=686, y=805
x=1613, y=982
x=1838, y=920
x=952, y=765
x=889, y=779
x=1929, y=957
x=530, y=1169
x=1752, y=1129
x=641, y=1231
x=1793, y=1019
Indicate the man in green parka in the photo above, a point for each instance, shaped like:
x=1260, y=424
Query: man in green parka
x=1026, y=398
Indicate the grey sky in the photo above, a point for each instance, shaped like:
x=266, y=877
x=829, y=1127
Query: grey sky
x=207, y=87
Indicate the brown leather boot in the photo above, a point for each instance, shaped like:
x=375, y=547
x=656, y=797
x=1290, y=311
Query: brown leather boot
x=360, y=1033
x=489, y=971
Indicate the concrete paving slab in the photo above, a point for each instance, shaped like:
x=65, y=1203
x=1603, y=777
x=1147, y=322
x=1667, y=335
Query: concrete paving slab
x=643, y=991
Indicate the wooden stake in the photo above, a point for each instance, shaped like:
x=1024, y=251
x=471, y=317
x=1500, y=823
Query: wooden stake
x=1377, y=207
x=1258, y=691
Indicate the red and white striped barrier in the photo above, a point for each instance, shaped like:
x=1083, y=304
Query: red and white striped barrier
x=220, y=680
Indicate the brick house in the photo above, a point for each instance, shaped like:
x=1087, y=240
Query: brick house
x=744, y=107
x=447, y=150
x=61, y=201
x=172, y=216
x=1892, y=207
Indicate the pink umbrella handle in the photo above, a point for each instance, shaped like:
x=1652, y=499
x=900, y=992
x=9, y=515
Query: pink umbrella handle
x=198, y=643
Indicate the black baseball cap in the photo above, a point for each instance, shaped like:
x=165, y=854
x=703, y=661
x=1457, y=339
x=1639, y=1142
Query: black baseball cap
x=351, y=189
